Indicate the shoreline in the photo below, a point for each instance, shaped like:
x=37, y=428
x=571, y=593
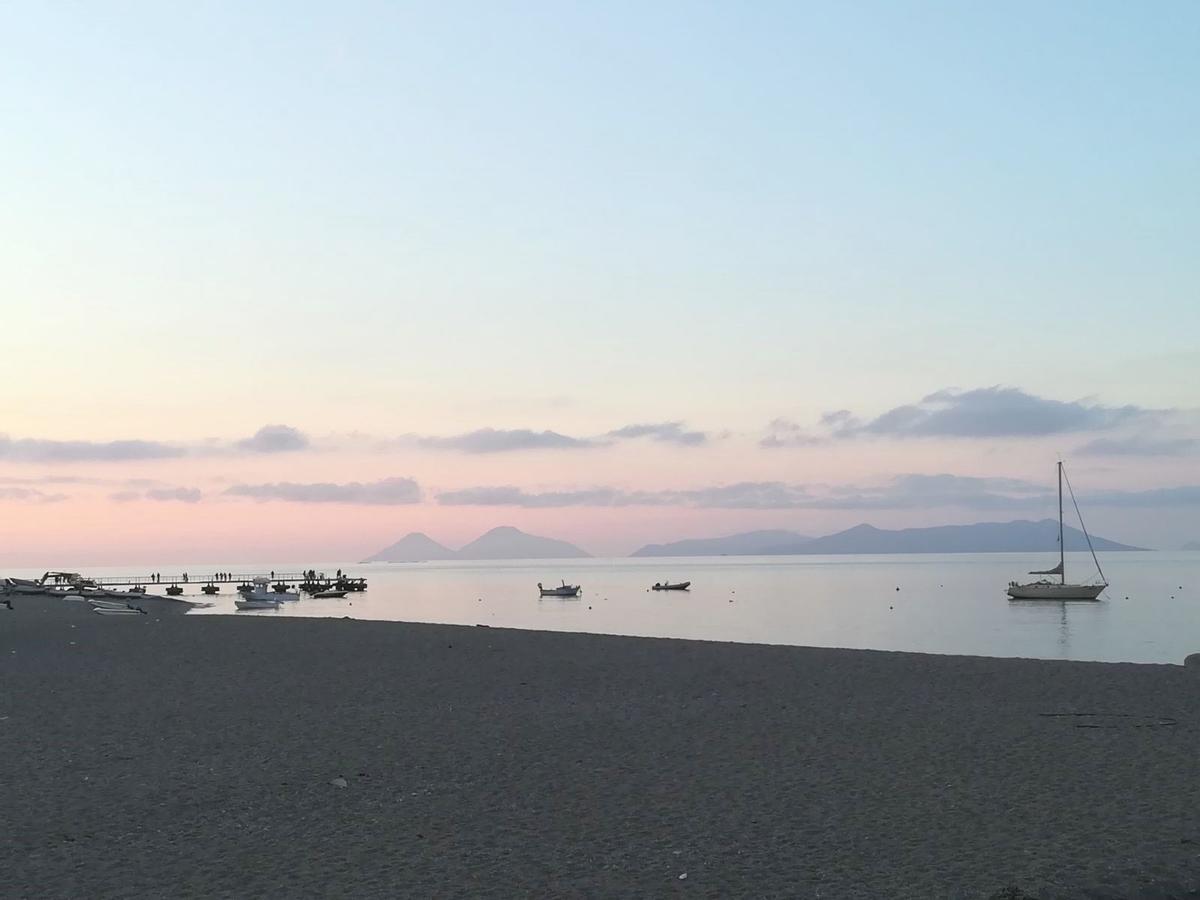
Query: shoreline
x=165, y=754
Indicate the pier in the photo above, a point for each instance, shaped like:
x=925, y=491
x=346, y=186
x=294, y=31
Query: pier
x=310, y=579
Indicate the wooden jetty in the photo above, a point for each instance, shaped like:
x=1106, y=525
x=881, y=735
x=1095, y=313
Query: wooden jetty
x=310, y=581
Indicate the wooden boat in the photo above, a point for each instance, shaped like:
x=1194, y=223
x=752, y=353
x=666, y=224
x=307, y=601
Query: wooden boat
x=565, y=590
x=1044, y=589
x=668, y=586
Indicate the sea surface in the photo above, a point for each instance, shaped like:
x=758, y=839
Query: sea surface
x=952, y=603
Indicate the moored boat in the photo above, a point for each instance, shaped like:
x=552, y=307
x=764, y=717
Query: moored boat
x=564, y=590
x=669, y=586
x=260, y=592
x=1044, y=589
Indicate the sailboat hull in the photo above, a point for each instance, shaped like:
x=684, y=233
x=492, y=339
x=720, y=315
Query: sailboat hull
x=1045, y=590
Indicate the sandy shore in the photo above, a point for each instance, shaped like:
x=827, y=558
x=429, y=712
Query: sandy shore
x=170, y=756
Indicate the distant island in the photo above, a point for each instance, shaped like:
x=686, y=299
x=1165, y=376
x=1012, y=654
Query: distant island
x=504, y=542
x=751, y=543
x=1021, y=536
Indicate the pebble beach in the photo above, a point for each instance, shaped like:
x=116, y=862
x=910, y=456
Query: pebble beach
x=177, y=756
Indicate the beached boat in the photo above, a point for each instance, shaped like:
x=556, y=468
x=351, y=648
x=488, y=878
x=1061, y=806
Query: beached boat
x=668, y=586
x=565, y=590
x=25, y=586
x=270, y=604
x=97, y=603
x=1045, y=589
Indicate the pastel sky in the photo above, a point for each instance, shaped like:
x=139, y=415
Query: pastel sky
x=288, y=280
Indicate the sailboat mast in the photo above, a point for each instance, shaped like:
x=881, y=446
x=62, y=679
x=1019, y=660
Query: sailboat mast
x=1062, y=558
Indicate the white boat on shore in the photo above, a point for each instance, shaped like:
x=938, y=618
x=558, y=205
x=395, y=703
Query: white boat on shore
x=107, y=604
x=118, y=611
x=1045, y=589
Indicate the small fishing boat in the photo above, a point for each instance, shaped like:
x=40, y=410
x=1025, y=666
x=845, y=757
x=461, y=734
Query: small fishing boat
x=123, y=611
x=331, y=593
x=668, y=586
x=108, y=604
x=564, y=590
x=257, y=604
x=1044, y=589
x=261, y=590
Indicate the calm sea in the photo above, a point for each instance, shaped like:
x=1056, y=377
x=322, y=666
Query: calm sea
x=926, y=603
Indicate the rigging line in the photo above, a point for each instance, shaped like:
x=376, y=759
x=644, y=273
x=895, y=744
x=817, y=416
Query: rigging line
x=1084, y=527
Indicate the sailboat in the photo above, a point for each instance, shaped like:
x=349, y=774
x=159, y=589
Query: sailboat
x=1044, y=589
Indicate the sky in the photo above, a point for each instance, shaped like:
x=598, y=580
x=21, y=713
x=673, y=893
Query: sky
x=289, y=280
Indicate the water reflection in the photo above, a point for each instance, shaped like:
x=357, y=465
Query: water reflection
x=931, y=604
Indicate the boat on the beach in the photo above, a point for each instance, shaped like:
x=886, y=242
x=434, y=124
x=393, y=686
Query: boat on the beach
x=97, y=603
x=669, y=586
x=564, y=590
x=24, y=586
x=1045, y=589
x=271, y=603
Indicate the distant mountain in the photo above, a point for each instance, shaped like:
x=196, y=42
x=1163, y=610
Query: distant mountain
x=986, y=537
x=507, y=542
x=1191, y=545
x=414, y=547
x=751, y=543
x=504, y=542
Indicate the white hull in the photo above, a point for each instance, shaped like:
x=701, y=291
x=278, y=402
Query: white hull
x=107, y=611
x=1045, y=590
x=108, y=604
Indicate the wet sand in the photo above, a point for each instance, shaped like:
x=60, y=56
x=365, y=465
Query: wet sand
x=170, y=756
